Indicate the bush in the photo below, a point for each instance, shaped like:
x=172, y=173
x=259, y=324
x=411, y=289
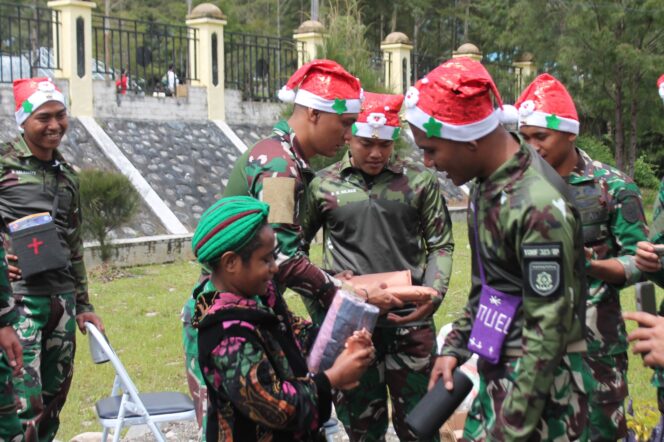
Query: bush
x=596, y=149
x=645, y=174
x=108, y=200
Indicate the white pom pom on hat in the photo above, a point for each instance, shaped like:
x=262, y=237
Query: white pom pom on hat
x=286, y=95
x=508, y=114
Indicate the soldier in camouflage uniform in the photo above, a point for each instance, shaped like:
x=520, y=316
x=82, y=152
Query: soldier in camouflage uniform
x=276, y=170
x=613, y=222
x=650, y=264
x=11, y=358
x=381, y=214
x=525, y=310
x=50, y=304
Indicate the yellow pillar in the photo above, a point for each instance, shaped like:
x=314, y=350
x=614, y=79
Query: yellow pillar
x=468, y=50
x=75, y=34
x=396, y=57
x=207, y=57
x=525, y=70
x=309, y=36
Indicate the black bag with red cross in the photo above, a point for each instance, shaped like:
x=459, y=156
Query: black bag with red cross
x=38, y=249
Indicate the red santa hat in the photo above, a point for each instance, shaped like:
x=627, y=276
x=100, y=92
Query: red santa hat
x=324, y=85
x=546, y=103
x=454, y=101
x=379, y=117
x=660, y=86
x=30, y=93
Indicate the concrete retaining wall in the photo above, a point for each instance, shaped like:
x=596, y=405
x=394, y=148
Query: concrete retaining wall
x=255, y=113
x=142, y=251
x=108, y=104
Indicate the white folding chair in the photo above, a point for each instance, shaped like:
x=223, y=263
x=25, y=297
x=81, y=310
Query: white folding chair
x=131, y=408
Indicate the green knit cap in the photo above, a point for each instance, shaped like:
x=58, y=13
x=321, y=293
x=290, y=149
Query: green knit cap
x=227, y=225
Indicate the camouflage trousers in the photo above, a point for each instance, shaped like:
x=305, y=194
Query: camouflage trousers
x=195, y=381
x=402, y=366
x=565, y=414
x=607, y=399
x=10, y=425
x=47, y=331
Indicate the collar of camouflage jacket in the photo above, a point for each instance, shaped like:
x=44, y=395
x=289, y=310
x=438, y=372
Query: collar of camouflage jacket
x=23, y=151
x=584, y=170
x=394, y=165
x=507, y=174
x=283, y=130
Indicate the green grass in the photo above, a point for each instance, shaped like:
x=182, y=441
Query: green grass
x=141, y=313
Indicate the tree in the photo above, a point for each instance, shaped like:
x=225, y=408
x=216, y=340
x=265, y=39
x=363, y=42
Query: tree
x=606, y=52
x=108, y=201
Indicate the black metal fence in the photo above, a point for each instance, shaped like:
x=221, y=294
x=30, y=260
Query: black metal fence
x=381, y=62
x=29, y=41
x=258, y=65
x=145, y=49
x=508, y=79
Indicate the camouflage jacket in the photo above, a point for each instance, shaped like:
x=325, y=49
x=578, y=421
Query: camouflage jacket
x=613, y=222
x=252, y=354
x=657, y=237
x=27, y=186
x=7, y=312
x=274, y=171
x=396, y=221
x=520, y=210
x=657, y=230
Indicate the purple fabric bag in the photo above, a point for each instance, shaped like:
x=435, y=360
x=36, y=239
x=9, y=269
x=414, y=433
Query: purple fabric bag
x=495, y=313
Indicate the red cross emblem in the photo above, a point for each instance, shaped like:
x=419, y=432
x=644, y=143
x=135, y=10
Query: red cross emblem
x=35, y=245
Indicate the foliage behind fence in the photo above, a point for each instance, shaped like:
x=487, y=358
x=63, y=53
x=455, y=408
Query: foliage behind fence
x=144, y=48
x=29, y=46
x=258, y=65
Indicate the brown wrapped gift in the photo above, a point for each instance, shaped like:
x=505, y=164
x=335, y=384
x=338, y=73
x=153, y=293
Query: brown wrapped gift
x=399, y=284
x=392, y=279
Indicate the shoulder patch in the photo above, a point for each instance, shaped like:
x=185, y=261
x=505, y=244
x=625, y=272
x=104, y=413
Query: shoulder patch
x=542, y=270
x=631, y=210
x=279, y=193
x=630, y=205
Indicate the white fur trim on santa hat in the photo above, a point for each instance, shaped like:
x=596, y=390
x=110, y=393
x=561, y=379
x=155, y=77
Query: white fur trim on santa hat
x=538, y=118
x=37, y=99
x=308, y=99
x=468, y=132
x=661, y=91
x=366, y=130
x=286, y=95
